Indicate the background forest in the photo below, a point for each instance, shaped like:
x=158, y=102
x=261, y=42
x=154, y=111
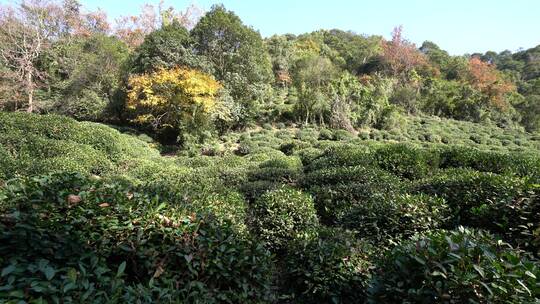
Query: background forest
x=177, y=73
x=177, y=156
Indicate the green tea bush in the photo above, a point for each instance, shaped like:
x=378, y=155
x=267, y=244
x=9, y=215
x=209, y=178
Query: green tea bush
x=364, y=135
x=280, y=215
x=387, y=217
x=308, y=155
x=463, y=266
x=307, y=134
x=40, y=144
x=325, y=134
x=284, y=169
x=337, y=191
x=340, y=156
x=515, y=220
x=292, y=146
x=35, y=155
x=520, y=164
x=342, y=135
x=270, y=174
x=406, y=161
x=468, y=192
x=72, y=239
x=329, y=266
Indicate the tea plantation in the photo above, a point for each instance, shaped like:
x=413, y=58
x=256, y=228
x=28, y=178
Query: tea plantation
x=439, y=211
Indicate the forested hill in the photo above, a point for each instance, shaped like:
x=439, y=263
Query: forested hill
x=178, y=157
x=182, y=75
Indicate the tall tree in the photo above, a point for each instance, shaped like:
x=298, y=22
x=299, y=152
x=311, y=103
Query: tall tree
x=25, y=32
x=84, y=75
x=178, y=99
x=312, y=77
x=167, y=47
x=486, y=78
x=237, y=53
x=133, y=29
x=400, y=55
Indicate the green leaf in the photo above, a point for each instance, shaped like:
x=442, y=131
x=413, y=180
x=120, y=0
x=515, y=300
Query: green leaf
x=524, y=286
x=69, y=286
x=16, y=294
x=49, y=272
x=121, y=269
x=9, y=269
x=438, y=273
x=419, y=260
x=479, y=270
x=530, y=274
x=487, y=288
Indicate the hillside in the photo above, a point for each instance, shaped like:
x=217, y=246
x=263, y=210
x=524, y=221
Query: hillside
x=280, y=216
x=176, y=155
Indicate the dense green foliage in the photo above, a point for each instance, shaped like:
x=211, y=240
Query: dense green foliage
x=462, y=266
x=281, y=215
x=77, y=239
x=326, y=167
x=298, y=216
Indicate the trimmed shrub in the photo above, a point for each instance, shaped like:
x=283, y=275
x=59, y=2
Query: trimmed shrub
x=339, y=156
x=516, y=221
x=307, y=134
x=339, y=190
x=325, y=134
x=273, y=171
x=308, y=155
x=463, y=266
x=520, y=164
x=469, y=192
x=288, y=148
x=390, y=217
x=280, y=215
x=329, y=266
x=77, y=239
x=40, y=144
x=406, y=161
x=342, y=135
x=278, y=169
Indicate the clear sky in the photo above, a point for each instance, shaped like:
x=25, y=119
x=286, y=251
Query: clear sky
x=459, y=26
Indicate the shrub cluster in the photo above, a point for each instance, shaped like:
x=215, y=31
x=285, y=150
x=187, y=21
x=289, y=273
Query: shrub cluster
x=76, y=239
x=329, y=266
x=463, y=266
x=281, y=215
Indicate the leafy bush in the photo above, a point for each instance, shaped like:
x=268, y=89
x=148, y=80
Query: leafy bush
x=280, y=215
x=325, y=134
x=292, y=146
x=270, y=174
x=339, y=156
x=307, y=134
x=39, y=144
x=468, y=192
x=406, y=160
x=337, y=191
x=329, y=266
x=342, y=135
x=387, y=217
x=515, y=220
x=77, y=239
x=463, y=266
x=308, y=155
x=520, y=164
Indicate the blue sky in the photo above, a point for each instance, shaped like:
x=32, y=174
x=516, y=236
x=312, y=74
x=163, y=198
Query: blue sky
x=459, y=26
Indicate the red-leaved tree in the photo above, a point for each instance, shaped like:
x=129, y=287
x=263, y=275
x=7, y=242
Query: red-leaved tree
x=400, y=55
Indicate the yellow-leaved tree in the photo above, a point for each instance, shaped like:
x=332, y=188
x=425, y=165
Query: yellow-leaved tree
x=178, y=99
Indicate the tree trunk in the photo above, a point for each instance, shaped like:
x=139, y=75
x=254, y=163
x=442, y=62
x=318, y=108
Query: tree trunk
x=30, y=88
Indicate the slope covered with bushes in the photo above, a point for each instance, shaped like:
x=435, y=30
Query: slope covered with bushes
x=292, y=215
